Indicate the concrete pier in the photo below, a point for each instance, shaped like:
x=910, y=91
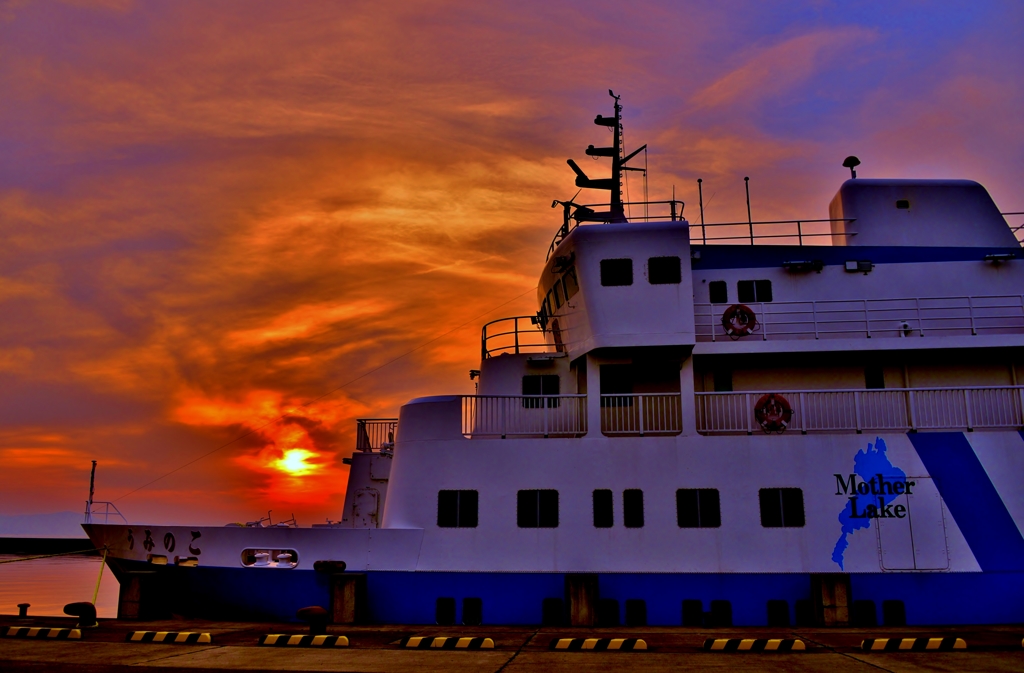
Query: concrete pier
x=234, y=646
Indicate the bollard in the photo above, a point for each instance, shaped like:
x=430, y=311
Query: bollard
x=23, y=610
x=86, y=613
x=316, y=617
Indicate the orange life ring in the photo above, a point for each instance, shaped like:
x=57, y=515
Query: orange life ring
x=739, y=321
x=773, y=413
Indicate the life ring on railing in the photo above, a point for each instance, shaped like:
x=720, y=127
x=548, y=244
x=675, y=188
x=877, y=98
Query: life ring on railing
x=773, y=413
x=739, y=321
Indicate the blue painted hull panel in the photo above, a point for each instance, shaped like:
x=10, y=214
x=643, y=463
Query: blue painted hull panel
x=516, y=598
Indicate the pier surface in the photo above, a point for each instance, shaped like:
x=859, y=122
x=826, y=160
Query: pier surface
x=235, y=646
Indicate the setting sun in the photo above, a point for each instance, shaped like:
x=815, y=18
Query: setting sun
x=294, y=462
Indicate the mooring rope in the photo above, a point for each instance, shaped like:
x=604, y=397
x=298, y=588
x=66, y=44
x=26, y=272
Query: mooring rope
x=96, y=591
x=63, y=553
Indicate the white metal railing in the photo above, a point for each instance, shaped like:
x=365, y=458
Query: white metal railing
x=833, y=318
x=648, y=414
x=524, y=415
x=518, y=334
x=375, y=433
x=898, y=409
x=98, y=509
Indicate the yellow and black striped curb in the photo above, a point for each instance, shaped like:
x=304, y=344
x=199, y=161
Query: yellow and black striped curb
x=754, y=645
x=43, y=632
x=285, y=640
x=446, y=643
x=598, y=644
x=181, y=637
x=913, y=644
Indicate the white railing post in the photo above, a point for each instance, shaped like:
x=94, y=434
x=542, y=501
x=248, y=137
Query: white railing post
x=856, y=409
x=814, y=317
x=503, y=402
x=764, y=324
x=967, y=409
x=867, y=319
x=640, y=413
x=970, y=312
x=544, y=401
x=920, y=320
x=803, y=414
x=747, y=411
x=912, y=410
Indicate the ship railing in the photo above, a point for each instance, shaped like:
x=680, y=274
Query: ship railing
x=524, y=416
x=634, y=211
x=375, y=433
x=642, y=415
x=97, y=510
x=904, y=317
x=517, y=334
x=895, y=409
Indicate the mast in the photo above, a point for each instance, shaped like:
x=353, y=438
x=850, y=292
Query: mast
x=92, y=490
x=616, y=211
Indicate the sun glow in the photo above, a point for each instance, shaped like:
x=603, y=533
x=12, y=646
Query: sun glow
x=293, y=461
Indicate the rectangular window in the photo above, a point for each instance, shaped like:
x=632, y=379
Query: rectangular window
x=750, y=291
x=537, y=508
x=457, y=509
x=616, y=272
x=543, y=384
x=874, y=377
x=664, y=270
x=604, y=514
x=633, y=508
x=572, y=285
x=698, y=508
x=782, y=507
x=722, y=380
x=718, y=292
x=557, y=290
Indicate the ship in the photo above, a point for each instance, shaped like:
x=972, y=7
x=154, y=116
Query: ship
x=703, y=424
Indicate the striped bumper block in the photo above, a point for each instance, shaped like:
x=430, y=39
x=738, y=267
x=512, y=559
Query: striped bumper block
x=445, y=643
x=754, y=645
x=599, y=644
x=913, y=644
x=177, y=637
x=285, y=640
x=41, y=632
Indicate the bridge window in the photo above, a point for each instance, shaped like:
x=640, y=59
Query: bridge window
x=782, y=507
x=572, y=285
x=749, y=291
x=537, y=508
x=557, y=289
x=698, y=508
x=604, y=512
x=633, y=508
x=616, y=272
x=718, y=291
x=457, y=509
x=664, y=270
x=545, y=384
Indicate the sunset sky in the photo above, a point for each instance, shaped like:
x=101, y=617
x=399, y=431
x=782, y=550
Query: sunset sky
x=217, y=214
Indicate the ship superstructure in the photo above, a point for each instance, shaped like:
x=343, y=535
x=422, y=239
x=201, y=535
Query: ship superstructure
x=751, y=423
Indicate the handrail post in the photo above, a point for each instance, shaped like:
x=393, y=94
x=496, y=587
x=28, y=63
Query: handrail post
x=970, y=312
x=504, y=403
x=913, y=411
x=799, y=233
x=867, y=318
x=546, y=401
x=967, y=409
x=764, y=324
x=814, y=317
x=856, y=409
x=640, y=412
x=920, y=321
x=803, y=414
x=515, y=330
x=747, y=412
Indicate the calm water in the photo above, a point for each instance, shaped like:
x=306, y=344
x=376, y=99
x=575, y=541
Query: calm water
x=51, y=583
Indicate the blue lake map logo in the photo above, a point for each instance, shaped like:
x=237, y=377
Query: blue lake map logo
x=870, y=491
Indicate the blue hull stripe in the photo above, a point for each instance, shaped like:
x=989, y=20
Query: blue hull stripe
x=972, y=499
